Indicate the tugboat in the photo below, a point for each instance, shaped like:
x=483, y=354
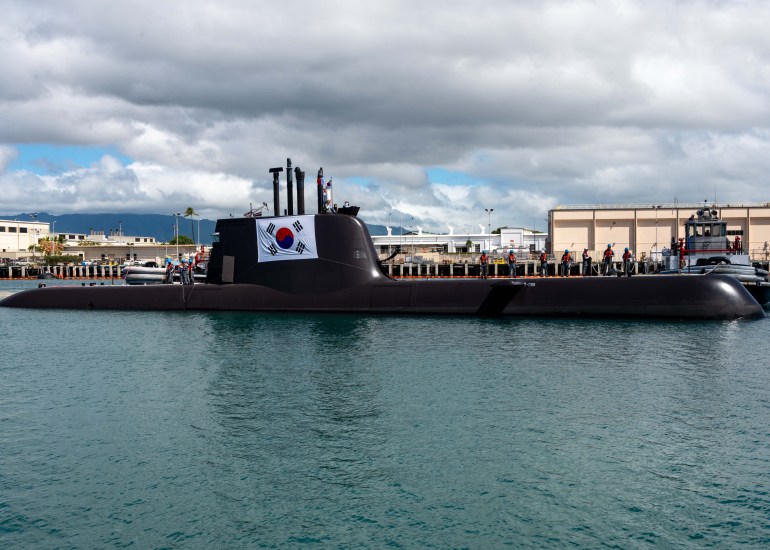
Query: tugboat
x=706, y=249
x=326, y=262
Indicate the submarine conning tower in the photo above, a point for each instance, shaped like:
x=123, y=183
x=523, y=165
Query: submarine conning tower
x=302, y=254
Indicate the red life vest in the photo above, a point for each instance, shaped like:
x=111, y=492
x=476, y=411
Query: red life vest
x=608, y=253
x=543, y=257
x=512, y=258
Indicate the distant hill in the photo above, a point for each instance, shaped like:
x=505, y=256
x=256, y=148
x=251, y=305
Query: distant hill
x=140, y=225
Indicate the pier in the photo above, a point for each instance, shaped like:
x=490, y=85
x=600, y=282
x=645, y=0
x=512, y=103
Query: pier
x=60, y=271
x=526, y=268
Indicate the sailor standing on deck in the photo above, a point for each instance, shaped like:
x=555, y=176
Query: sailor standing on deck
x=484, y=262
x=543, y=264
x=586, y=263
x=566, y=263
x=511, y=264
x=627, y=262
x=182, y=269
x=608, y=254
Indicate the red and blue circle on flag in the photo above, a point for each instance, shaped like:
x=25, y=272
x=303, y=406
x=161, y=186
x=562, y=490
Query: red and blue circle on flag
x=284, y=237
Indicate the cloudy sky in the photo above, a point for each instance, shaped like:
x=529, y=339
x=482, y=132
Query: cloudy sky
x=425, y=112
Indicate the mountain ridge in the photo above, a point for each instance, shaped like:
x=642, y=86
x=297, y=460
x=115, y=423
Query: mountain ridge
x=160, y=226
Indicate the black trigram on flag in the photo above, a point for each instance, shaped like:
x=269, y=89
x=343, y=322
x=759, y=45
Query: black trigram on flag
x=300, y=247
x=297, y=226
x=270, y=229
x=273, y=250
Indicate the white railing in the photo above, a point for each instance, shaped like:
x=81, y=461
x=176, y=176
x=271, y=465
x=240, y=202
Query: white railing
x=663, y=206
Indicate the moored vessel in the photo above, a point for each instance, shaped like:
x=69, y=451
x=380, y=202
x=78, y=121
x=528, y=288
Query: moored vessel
x=326, y=262
x=707, y=249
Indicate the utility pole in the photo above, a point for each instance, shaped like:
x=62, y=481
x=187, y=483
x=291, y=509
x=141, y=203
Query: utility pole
x=489, y=226
x=176, y=230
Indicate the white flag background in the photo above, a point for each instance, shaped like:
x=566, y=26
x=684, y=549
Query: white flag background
x=286, y=238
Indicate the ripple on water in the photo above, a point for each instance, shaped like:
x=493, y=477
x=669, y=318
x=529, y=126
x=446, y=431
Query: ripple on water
x=221, y=430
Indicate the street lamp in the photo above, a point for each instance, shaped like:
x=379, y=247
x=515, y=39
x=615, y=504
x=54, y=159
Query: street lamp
x=36, y=231
x=176, y=231
x=53, y=238
x=390, y=232
x=411, y=235
x=489, y=225
x=656, y=208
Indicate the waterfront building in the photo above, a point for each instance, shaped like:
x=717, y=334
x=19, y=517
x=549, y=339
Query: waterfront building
x=113, y=237
x=524, y=241
x=646, y=229
x=16, y=237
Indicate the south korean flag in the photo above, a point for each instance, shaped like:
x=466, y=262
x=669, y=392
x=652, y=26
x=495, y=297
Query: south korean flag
x=286, y=238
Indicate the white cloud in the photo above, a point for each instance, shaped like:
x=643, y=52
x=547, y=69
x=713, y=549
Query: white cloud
x=7, y=154
x=538, y=103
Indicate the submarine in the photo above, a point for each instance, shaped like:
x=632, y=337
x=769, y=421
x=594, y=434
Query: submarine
x=326, y=262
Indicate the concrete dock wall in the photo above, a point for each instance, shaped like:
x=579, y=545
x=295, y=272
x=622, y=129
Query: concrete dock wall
x=61, y=271
x=527, y=268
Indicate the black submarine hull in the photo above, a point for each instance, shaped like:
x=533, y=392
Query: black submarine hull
x=720, y=297
x=337, y=271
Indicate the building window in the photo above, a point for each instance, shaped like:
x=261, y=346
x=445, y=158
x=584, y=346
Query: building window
x=22, y=230
x=11, y=229
x=733, y=232
x=2, y=229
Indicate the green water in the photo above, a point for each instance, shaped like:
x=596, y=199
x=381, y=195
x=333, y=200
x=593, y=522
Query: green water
x=223, y=430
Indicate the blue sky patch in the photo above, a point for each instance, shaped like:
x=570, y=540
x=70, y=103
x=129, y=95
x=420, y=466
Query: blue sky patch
x=448, y=177
x=49, y=160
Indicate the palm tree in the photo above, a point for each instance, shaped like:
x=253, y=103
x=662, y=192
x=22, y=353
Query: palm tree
x=189, y=213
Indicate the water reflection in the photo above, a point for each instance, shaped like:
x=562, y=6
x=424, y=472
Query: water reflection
x=296, y=400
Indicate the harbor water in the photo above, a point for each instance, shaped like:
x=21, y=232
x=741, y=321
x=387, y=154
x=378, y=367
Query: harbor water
x=250, y=430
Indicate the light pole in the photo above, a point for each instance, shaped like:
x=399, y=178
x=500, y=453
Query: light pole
x=411, y=225
x=390, y=233
x=36, y=231
x=53, y=238
x=656, y=232
x=489, y=225
x=176, y=231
